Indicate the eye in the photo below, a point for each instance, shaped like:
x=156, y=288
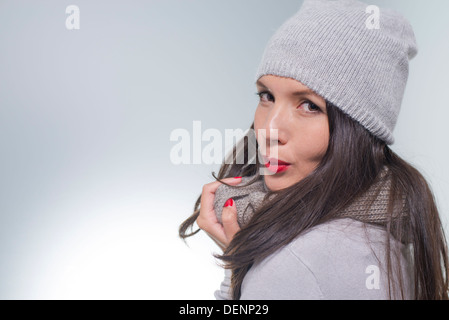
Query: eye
x=310, y=107
x=265, y=96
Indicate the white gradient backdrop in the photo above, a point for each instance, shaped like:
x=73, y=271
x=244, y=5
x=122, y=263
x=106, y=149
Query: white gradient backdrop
x=90, y=203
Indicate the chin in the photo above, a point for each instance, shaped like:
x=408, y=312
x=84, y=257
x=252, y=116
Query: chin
x=274, y=184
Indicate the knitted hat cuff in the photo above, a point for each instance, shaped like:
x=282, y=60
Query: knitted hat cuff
x=324, y=89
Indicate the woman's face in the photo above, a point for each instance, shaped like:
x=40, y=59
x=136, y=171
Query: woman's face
x=300, y=120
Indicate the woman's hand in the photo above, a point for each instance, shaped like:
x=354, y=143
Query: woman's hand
x=207, y=220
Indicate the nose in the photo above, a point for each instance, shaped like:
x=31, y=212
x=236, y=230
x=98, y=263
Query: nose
x=276, y=124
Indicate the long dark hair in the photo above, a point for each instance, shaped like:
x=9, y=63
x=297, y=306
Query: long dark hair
x=353, y=161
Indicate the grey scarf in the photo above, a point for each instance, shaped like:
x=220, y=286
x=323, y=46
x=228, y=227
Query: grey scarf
x=249, y=198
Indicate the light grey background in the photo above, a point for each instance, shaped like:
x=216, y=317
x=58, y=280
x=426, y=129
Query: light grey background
x=90, y=202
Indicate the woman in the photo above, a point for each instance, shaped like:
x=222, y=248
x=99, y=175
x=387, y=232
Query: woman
x=349, y=219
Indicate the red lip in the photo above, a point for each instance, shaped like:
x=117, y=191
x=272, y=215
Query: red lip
x=276, y=161
x=275, y=165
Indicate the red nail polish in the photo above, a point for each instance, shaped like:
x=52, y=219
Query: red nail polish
x=229, y=203
x=237, y=177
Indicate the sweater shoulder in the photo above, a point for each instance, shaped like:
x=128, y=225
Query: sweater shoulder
x=338, y=234
x=347, y=258
x=339, y=259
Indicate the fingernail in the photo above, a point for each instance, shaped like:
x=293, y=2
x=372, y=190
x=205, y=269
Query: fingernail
x=237, y=177
x=229, y=203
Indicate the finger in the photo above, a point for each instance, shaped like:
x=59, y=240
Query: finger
x=215, y=230
x=229, y=219
x=207, y=219
x=207, y=198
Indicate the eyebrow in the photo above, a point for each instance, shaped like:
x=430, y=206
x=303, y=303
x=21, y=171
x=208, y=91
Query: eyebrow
x=296, y=93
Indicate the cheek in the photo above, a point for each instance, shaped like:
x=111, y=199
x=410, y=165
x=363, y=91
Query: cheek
x=312, y=143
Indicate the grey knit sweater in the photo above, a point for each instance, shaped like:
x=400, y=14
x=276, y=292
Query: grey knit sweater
x=341, y=259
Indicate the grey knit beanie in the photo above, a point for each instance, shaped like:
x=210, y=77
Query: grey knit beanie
x=329, y=46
